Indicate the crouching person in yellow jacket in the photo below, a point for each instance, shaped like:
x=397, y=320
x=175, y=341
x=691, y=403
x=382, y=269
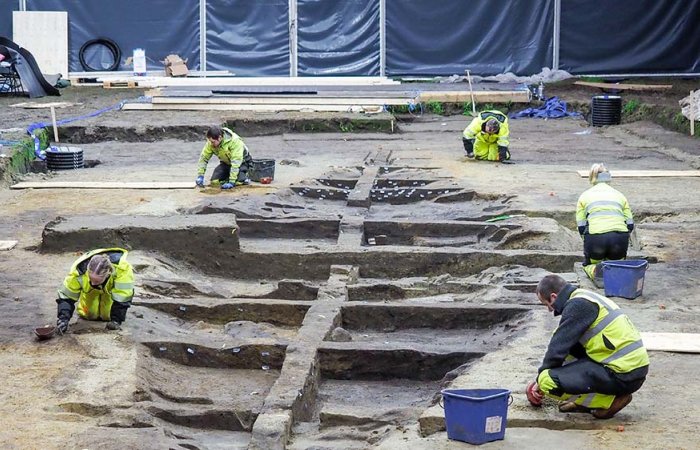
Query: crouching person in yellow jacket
x=486, y=137
x=234, y=159
x=604, y=220
x=595, y=359
x=101, y=282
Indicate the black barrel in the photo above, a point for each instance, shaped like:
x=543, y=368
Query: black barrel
x=64, y=158
x=606, y=110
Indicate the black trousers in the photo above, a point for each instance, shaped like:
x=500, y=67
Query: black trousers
x=585, y=376
x=222, y=172
x=599, y=247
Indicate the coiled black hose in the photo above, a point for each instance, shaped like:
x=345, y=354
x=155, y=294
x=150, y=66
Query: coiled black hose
x=110, y=45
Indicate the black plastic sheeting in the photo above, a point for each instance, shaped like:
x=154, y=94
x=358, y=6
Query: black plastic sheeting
x=630, y=36
x=248, y=37
x=33, y=82
x=423, y=37
x=160, y=27
x=338, y=37
x=429, y=37
x=6, y=8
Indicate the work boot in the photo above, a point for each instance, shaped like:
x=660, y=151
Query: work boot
x=598, y=277
x=571, y=407
x=620, y=402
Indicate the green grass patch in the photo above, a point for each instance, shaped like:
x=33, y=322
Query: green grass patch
x=435, y=107
x=631, y=106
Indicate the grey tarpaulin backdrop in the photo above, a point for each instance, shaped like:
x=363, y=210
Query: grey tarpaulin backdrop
x=6, y=8
x=160, y=27
x=630, y=36
x=428, y=37
x=392, y=37
x=338, y=37
x=248, y=37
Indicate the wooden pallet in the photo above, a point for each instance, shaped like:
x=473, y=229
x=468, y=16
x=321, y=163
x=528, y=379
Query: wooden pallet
x=120, y=84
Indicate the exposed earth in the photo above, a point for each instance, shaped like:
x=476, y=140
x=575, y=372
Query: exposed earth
x=328, y=309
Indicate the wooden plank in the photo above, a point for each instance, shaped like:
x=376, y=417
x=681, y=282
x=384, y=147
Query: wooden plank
x=154, y=82
x=37, y=105
x=286, y=100
x=271, y=107
x=479, y=96
x=626, y=87
x=154, y=73
x=646, y=173
x=7, y=245
x=45, y=35
x=672, y=342
x=128, y=84
x=104, y=185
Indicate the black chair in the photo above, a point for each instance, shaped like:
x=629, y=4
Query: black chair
x=10, y=81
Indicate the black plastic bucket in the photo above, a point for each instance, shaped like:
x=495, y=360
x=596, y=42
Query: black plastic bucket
x=64, y=158
x=606, y=110
x=262, y=168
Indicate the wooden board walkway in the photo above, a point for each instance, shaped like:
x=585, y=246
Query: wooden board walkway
x=672, y=342
x=104, y=185
x=646, y=173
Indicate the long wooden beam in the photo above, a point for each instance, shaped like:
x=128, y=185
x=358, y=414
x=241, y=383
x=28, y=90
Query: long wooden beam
x=625, y=87
x=104, y=185
x=646, y=173
x=479, y=96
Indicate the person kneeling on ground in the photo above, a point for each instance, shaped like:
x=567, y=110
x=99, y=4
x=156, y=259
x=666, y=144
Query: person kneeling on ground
x=102, y=283
x=234, y=159
x=486, y=137
x=595, y=359
x=604, y=220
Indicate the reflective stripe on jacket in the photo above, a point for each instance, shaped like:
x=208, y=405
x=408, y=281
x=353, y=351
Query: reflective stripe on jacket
x=612, y=339
x=475, y=129
x=119, y=285
x=603, y=209
x=230, y=151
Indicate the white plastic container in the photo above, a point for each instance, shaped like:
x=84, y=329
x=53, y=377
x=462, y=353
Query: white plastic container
x=139, y=62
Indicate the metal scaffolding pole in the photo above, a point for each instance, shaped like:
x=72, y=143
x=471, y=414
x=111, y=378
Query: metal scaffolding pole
x=382, y=38
x=203, y=36
x=293, y=61
x=555, y=37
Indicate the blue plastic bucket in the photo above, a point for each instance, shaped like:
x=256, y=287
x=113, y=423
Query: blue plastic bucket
x=476, y=415
x=624, y=278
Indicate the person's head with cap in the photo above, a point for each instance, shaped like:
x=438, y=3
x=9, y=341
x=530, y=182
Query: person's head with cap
x=599, y=174
x=492, y=126
x=99, y=269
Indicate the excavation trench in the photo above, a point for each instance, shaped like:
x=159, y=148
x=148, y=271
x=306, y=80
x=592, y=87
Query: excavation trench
x=367, y=312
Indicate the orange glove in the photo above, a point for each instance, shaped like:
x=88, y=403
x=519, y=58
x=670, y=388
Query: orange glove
x=534, y=394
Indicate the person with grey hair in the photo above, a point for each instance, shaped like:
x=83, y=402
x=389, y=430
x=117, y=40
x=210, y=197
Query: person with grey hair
x=604, y=220
x=101, y=282
x=595, y=359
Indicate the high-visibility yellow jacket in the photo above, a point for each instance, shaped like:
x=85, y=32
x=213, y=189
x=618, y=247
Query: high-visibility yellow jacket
x=475, y=130
x=612, y=339
x=119, y=286
x=603, y=209
x=230, y=151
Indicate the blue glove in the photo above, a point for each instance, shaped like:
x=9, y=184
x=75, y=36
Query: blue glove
x=200, y=181
x=227, y=186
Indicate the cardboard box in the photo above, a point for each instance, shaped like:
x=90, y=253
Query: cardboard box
x=175, y=66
